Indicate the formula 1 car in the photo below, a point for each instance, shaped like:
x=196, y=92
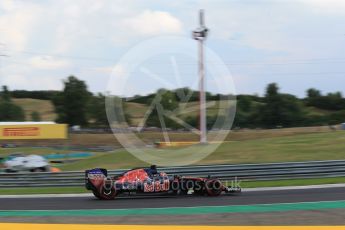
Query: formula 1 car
x=150, y=181
x=21, y=163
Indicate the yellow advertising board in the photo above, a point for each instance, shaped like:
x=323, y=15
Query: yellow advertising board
x=33, y=131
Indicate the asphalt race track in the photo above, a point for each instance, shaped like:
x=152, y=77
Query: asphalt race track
x=245, y=198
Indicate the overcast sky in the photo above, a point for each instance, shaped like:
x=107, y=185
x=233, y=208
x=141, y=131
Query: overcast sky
x=297, y=43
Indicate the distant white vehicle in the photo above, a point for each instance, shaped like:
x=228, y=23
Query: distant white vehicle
x=31, y=163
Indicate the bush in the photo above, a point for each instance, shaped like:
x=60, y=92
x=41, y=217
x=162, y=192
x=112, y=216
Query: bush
x=11, y=112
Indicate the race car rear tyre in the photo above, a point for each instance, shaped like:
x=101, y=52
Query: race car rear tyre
x=213, y=187
x=107, y=194
x=41, y=169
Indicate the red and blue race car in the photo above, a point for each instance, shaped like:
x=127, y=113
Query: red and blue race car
x=150, y=181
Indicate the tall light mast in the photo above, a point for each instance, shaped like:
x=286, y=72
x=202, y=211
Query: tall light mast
x=200, y=35
x=1, y=56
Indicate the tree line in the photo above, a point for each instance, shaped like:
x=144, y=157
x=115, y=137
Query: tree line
x=273, y=110
x=277, y=109
x=76, y=105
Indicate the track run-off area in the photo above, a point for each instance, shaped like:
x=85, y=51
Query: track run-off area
x=268, y=206
x=251, y=197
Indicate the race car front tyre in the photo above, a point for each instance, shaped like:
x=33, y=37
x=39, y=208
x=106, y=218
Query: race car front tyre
x=96, y=194
x=107, y=194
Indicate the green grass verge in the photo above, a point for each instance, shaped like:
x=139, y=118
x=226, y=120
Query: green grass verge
x=306, y=147
x=244, y=184
x=301, y=147
x=47, y=190
x=113, y=160
x=292, y=182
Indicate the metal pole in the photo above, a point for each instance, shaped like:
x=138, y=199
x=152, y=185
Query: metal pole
x=200, y=35
x=1, y=56
x=203, y=130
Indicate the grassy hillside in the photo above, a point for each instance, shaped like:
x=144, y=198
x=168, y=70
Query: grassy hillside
x=44, y=107
x=136, y=110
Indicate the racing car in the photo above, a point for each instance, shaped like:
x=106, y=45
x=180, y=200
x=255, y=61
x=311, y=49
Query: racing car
x=150, y=181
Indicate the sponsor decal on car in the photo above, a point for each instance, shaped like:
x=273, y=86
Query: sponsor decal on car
x=157, y=186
